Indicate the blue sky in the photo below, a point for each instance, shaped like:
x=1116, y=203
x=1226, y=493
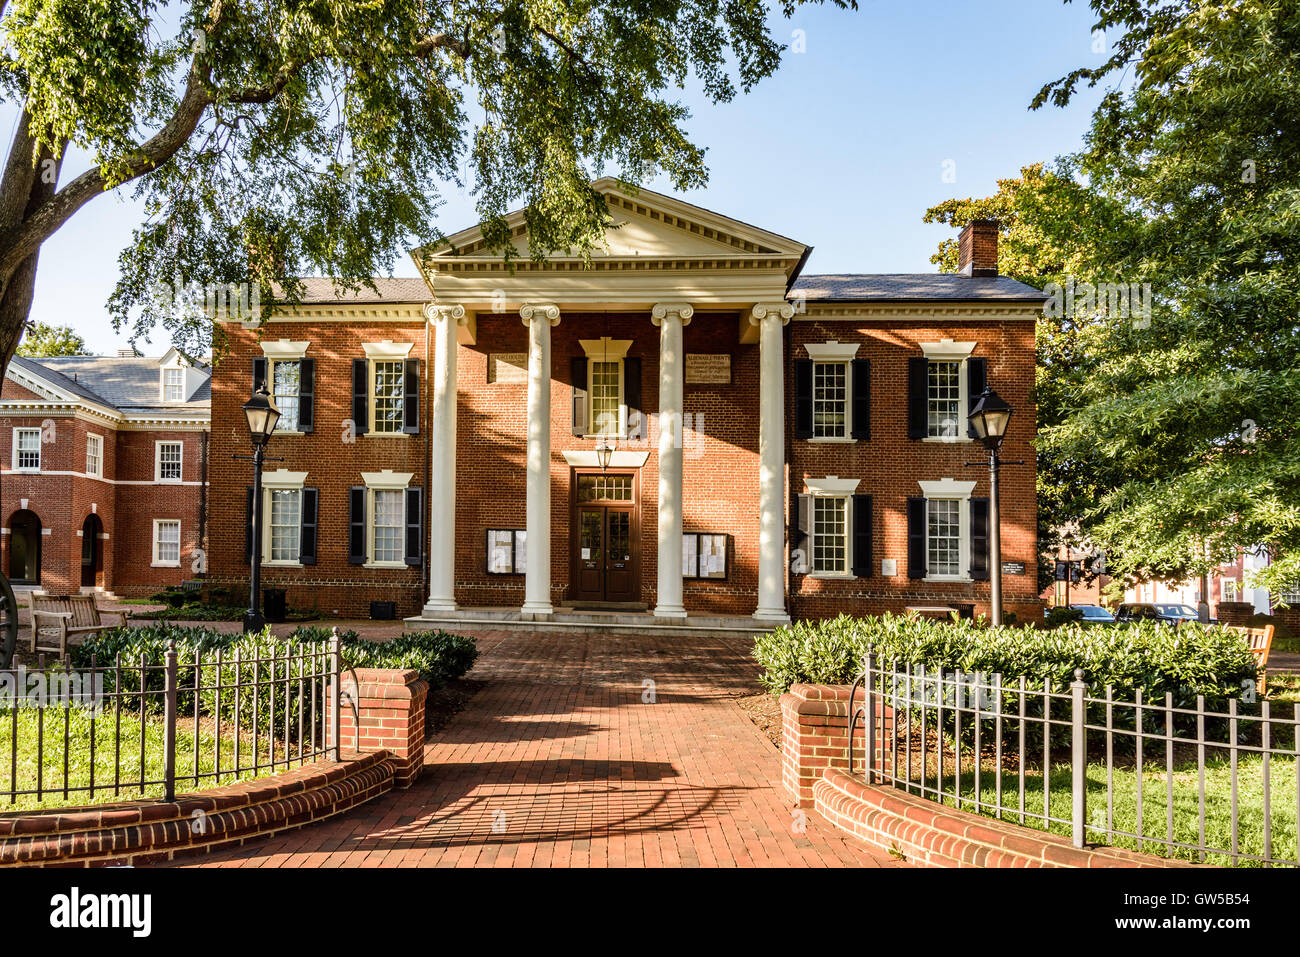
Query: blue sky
x=843, y=149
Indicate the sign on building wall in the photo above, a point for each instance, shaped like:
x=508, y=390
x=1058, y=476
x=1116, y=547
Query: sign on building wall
x=507, y=368
x=708, y=368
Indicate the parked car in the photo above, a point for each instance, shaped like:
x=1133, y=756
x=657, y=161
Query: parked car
x=1095, y=615
x=1165, y=613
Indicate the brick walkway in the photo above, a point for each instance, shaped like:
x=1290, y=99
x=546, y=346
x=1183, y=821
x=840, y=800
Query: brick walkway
x=557, y=762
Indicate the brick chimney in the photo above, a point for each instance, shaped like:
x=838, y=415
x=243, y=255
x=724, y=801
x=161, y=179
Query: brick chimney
x=977, y=248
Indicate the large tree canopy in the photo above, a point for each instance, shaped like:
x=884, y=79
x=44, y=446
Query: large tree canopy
x=285, y=137
x=1191, y=421
x=42, y=340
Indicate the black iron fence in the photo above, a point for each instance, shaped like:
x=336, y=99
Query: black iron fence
x=136, y=728
x=1166, y=776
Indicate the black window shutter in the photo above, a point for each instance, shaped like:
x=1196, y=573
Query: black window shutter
x=307, y=528
x=578, y=373
x=979, y=539
x=306, y=394
x=803, y=398
x=916, y=538
x=632, y=396
x=861, y=372
x=862, y=526
x=801, y=536
x=411, y=397
x=259, y=373
x=361, y=395
x=976, y=378
x=357, y=525
x=414, y=527
x=248, y=524
x=918, y=394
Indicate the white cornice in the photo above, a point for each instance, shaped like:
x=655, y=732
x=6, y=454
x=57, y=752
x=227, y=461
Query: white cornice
x=387, y=479
x=893, y=312
x=830, y=485
x=832, y=351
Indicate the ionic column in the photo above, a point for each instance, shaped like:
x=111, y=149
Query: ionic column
x=539, y=317
x=670, y=317
x=770, y=317
x=442, y=464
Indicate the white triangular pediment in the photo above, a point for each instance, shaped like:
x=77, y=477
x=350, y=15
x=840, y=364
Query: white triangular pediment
x=644, y=225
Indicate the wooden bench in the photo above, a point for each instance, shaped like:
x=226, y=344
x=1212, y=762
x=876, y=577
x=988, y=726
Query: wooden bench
x=58, y=618
x=1261, y=643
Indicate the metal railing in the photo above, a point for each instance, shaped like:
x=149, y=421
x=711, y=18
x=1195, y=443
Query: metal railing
x=1164, y=776
x=135, y=728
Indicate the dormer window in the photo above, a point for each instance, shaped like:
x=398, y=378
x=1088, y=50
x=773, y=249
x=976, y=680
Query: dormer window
x=173, y=385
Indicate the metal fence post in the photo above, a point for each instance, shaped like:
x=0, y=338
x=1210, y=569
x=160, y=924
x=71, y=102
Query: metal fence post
x=1078, y=757
x=336, y=704
x=868, y=721
x=169, y=722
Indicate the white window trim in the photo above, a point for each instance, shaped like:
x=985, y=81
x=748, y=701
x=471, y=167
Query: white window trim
x=945, y=350
x=385, y=481
x=949, y=489
x=157, y=462
x=606, y=349
x=162, y=382
x=832, y=486
x=99, y=472
x=280, y=479
x=40, y=450
x=285, y=350
x=158, y=541
x=387, y=349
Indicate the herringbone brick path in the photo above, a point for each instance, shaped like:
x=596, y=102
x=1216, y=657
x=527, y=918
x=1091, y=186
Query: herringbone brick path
x=585, y=750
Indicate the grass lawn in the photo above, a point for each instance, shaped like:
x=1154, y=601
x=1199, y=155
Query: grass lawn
x=1155, y=804
x=47, y=765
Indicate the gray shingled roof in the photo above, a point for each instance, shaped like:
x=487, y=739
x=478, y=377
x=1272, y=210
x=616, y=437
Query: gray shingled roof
x=318, y=290
x=912, y=286
x=125, y=384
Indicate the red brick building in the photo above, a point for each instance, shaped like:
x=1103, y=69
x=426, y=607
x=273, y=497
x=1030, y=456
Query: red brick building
x=777, y=445
x=103, y=464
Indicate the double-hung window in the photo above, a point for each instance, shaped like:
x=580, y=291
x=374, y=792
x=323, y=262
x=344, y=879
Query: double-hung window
x=606, y=397
x=943, y=538
x=166, y=543
x=386, y=385
x=284, y=525
x=606, y=368
x=167, y=463
x=286, y=384
x=943, y=382
x=95, y=455
x=830, y=395
x=386, y=521
x=27, y=450
x=173, y=384
x=830, y=535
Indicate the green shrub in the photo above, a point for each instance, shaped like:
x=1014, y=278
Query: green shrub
x=1185, y=661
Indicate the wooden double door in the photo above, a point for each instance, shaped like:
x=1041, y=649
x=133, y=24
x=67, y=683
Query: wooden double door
x=606, y=559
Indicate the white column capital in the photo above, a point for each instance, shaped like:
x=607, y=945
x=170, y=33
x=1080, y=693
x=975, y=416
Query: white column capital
x=433, y=311
x=662, y=310
x=771, y=310
x=530, y=311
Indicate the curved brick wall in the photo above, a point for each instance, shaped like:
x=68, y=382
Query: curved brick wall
x=928, y=834
x=148, y=832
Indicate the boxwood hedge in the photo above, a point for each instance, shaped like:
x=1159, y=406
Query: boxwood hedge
x=1188, y=661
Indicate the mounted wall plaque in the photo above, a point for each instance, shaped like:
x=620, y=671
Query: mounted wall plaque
x=507, y=368
x=708, y=368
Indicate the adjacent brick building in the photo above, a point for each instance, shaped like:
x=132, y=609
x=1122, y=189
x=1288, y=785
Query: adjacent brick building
x=103, y=465
x=686, y=426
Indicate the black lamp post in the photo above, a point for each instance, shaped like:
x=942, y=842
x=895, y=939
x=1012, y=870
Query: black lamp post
x=989, y=419
x=262, y=416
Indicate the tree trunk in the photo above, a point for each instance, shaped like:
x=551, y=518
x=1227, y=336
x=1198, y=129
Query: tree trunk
x=28, y=182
